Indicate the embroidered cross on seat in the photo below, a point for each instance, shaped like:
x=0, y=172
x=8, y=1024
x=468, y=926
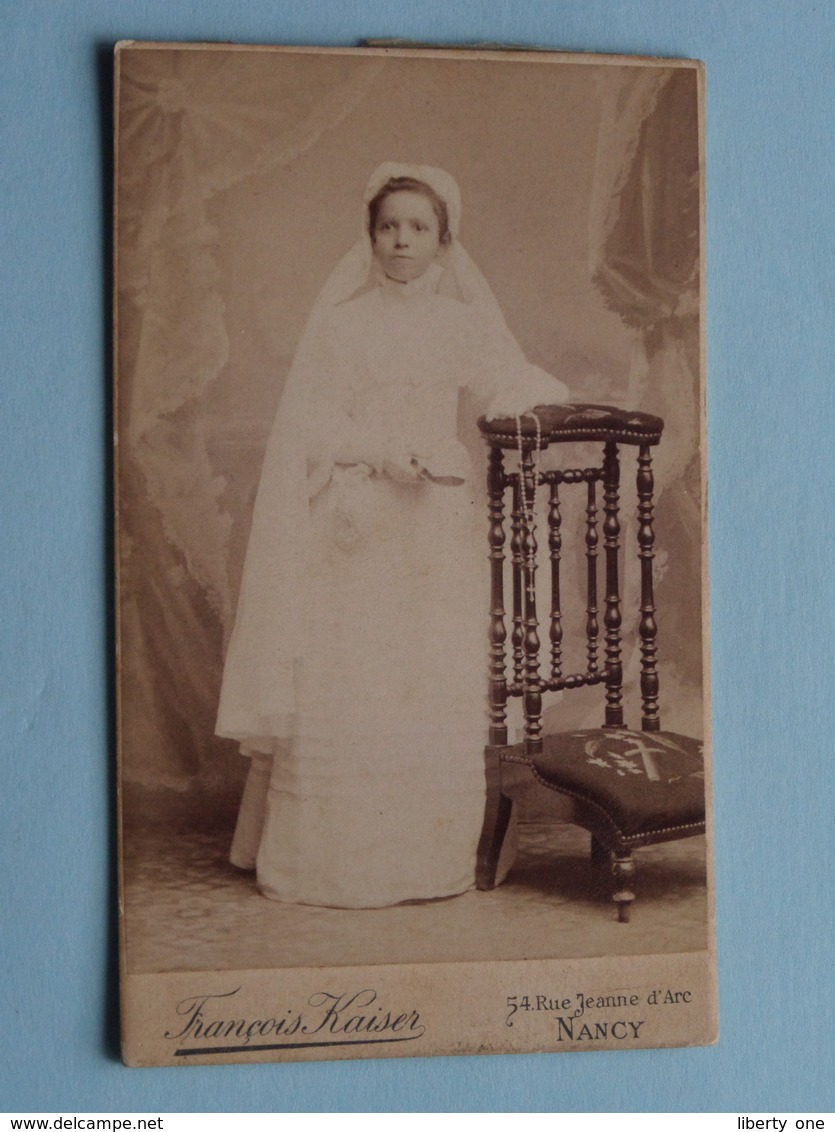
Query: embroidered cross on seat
x=644, y=786
x=628, y=788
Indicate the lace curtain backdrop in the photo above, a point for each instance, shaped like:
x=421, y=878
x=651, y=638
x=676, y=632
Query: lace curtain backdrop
x=644, y=235
x=194, y=126
x=210, y=310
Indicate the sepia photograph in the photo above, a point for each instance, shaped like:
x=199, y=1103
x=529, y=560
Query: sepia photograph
x=413, y=706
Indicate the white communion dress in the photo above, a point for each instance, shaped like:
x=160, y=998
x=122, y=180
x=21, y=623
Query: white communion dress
x=360, y=692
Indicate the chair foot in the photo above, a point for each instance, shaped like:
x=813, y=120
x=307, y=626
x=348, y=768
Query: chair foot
x=623, y=869
x=497, y=811
x=497, y=820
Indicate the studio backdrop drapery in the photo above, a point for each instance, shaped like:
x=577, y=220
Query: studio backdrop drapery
x=211, y=146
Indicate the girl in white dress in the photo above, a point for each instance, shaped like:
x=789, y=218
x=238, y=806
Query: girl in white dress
x=355, y=677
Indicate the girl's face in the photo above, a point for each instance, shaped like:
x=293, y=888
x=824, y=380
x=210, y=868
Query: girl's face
x=406, y=236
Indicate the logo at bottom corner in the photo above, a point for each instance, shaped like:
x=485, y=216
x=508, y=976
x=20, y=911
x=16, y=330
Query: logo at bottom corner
x=209, y=1023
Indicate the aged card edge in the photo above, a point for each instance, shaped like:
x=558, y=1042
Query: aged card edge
x=495, y=52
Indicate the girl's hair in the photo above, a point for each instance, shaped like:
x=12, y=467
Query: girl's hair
x=410, y=185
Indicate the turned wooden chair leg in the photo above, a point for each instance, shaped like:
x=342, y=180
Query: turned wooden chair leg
x=494, y=830
x=623, y=869
x=600, y=855
x=497, y=812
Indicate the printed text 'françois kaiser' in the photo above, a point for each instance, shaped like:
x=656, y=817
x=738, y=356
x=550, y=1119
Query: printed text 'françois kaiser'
x=206, y=1017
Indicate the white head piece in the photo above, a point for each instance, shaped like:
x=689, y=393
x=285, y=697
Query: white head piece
x=460, y=278
x=439, y=181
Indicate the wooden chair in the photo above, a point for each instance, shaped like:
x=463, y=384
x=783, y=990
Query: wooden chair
x=628, y=788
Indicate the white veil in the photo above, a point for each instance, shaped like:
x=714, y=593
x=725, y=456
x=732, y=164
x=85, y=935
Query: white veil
x=257, y=703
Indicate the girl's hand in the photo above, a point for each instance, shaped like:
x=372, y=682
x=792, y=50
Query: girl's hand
x=446, y=462
x=401, y=466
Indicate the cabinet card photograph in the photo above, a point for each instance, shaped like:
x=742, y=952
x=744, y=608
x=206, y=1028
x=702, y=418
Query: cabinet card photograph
x=413, y=712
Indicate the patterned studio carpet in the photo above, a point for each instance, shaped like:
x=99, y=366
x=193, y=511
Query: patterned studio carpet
x=187, y=908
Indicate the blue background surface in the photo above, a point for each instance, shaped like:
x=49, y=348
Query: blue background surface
x=771, y=107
